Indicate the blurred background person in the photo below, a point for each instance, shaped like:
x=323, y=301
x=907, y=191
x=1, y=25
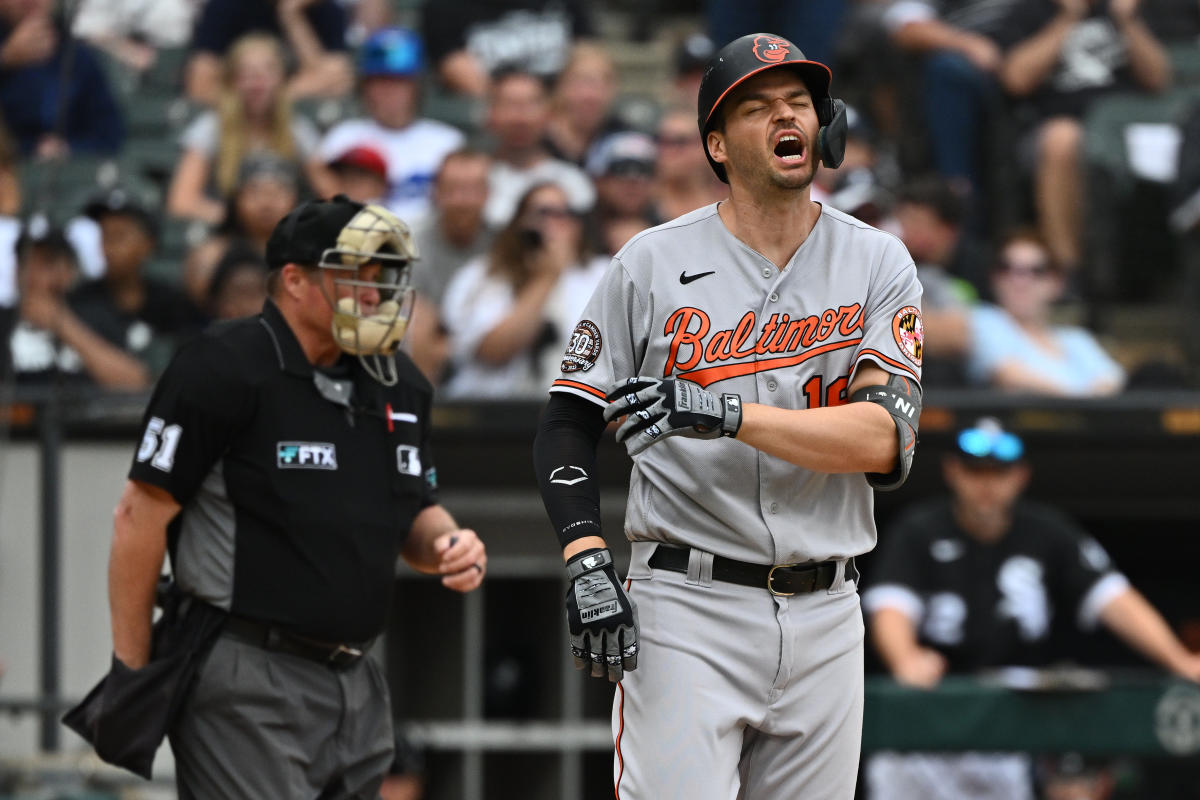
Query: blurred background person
x=360, y=173
x=47, y=341
x=239, y=285
x=452, y=236
x=49, y=109
x=815, y=23
x=1060, y=57
x=692, y=53
x=469, y=40
x=930, y=215
x=314, y=31
x=683, y=180
x=267, y=189
x=509, y=313
x=984, y=579
x=581, y=105
x=254, y=114
x=1015, y=344
x=959, y=92
x=390, y=66
x=146, y=317
x=622, y=166
x=517, y=118
x=132, y=31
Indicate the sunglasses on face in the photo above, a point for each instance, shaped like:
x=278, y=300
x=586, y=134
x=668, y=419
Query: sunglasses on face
x=1039, y=269
x=998, y=446
x=552, y=212
x=675, y=141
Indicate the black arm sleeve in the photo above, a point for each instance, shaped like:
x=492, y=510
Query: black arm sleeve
x=564, y=458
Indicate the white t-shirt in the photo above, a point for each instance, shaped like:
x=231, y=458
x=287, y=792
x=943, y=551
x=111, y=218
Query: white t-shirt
x=476, y=301
x=163, y=23
x=413, y=154
x=506, y=185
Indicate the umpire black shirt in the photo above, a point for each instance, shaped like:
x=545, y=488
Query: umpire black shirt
x=298, y=486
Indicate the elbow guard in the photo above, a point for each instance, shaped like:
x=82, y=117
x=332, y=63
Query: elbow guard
x=901, y=397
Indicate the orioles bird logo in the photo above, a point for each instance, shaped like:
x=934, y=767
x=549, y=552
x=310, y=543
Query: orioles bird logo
x=771, y=49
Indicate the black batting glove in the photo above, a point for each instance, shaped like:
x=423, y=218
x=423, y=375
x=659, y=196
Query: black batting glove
x=658, y=408
x=601, y=617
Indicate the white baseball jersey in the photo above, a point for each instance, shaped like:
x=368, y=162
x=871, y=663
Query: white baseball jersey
x=689, y=299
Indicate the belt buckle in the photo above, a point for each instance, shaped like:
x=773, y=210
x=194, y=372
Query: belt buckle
x=771, y=581
x=344, y=656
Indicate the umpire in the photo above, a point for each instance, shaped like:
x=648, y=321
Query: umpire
x=284, y=476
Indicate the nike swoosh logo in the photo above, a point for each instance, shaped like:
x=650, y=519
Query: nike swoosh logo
x=684, y=278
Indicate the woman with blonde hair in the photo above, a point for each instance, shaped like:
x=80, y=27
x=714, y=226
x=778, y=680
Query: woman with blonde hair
x=253, y=114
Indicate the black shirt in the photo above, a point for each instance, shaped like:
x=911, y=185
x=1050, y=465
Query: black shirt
x=296, y=498
x=1094, y=61
x=151, y=333
x=988, y=605
x=222, y=22
x=535, y=35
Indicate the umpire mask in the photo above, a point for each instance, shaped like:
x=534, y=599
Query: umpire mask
x=370, y=322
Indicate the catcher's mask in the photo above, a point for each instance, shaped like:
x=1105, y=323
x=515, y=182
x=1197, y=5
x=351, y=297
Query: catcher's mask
x=370, y=320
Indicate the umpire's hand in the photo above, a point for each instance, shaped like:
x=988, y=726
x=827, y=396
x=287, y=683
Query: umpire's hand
x=655, y=408
x=601, y=617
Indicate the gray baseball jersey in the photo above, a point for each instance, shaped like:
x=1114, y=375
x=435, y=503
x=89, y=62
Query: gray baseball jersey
x=689, y=299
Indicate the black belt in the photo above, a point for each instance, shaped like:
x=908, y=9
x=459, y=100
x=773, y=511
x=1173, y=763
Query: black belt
x=783, y=580
x=274, y=638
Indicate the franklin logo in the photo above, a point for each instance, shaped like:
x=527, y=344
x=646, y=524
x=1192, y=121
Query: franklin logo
x=600, y=611
x=305, y=455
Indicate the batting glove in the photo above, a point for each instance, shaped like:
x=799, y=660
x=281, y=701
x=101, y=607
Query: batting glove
x=658, y=408
x=601, y=617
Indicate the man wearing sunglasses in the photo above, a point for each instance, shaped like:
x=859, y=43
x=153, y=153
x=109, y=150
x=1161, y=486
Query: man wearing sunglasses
x=984, y=578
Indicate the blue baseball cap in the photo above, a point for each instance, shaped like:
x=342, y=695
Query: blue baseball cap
x=391, y=52
x=988, y=443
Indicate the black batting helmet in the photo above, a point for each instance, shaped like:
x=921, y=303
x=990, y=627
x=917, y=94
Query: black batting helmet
x=758, y=52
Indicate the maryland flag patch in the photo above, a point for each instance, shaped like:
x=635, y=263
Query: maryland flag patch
x=910, y=333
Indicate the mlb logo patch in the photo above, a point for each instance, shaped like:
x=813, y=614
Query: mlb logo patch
x=408, y=460
x=305, y=455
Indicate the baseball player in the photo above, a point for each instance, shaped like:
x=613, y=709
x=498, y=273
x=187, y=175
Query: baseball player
x=765, y=352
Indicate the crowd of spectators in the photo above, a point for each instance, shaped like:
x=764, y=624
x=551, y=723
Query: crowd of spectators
x=973, y=153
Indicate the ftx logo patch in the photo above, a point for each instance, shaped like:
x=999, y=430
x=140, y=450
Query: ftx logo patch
x=305, y=455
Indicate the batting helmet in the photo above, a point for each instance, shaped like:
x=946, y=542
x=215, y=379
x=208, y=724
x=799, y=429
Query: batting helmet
x=758, y=52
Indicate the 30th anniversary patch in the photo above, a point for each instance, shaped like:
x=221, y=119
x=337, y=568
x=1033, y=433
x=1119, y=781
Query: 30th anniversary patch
x=583, y=348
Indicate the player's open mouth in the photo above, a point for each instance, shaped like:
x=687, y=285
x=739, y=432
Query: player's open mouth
x=790, y=149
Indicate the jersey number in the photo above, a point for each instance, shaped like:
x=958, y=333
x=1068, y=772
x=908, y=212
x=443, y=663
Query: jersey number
x=835, y=395
x=159, y=441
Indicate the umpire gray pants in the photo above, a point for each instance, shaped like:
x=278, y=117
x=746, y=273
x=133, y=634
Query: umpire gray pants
x=266, y=725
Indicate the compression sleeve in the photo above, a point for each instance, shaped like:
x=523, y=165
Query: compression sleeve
x=564, y=458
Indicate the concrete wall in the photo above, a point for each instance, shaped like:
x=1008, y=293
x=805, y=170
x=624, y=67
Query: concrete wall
x=92, y=477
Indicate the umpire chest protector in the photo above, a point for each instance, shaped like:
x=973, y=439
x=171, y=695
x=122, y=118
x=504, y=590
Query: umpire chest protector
x=298, y=486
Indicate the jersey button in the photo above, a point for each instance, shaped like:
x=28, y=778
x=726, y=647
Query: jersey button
x=772, y=386
x=774, y=508
x=766, y=272
x=773, y=297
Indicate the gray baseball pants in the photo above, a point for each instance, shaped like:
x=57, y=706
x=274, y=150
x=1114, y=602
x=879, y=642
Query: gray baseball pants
x=739, y=694
x=272, y=725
